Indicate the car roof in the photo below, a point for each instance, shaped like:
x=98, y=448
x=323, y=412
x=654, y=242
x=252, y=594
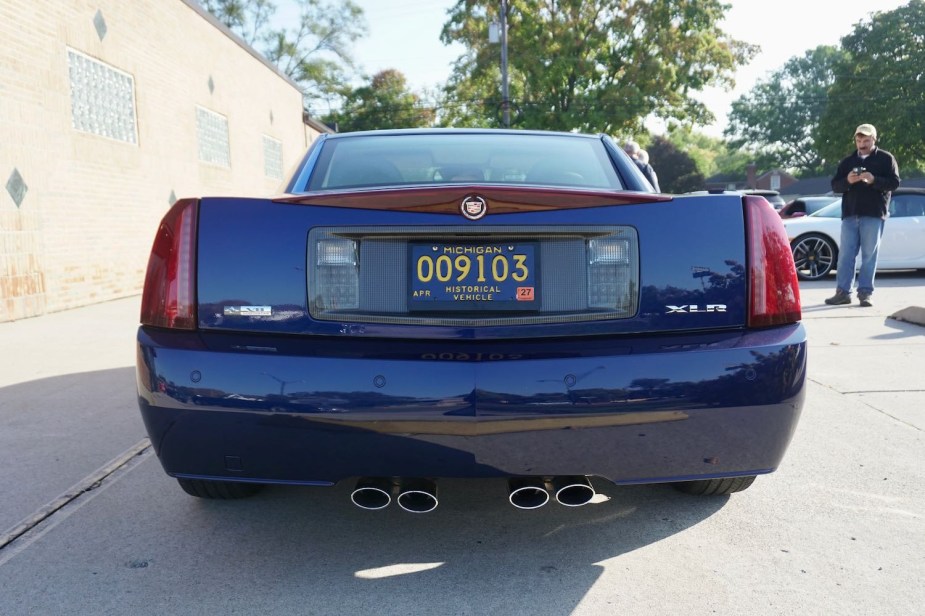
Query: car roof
x=458, y=131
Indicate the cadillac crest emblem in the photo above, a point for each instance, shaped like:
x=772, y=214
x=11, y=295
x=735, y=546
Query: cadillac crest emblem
x=473, y=207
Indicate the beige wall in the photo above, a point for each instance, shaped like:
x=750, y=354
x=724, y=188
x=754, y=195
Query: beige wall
x=82, y=233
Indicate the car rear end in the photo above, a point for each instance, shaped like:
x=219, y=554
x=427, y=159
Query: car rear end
x=503, y=326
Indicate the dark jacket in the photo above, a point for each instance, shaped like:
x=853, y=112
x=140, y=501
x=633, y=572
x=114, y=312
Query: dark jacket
x=861, y=199
x=649, y=172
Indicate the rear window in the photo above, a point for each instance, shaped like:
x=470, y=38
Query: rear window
x=440, y=158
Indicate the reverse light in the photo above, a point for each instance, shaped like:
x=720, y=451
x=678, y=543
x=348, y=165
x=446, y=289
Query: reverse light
x=609, y=250
x=337, y=252
x=335, y=282
x=169, y=298
x=773, y=288
x=609, y=276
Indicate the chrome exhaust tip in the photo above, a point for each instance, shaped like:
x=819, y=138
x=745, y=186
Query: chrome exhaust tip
x=572, y=491
x=372, y=493
x=417, y=495
x=528, y=492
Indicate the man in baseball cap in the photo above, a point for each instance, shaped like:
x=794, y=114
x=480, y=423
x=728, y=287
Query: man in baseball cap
x=867, y=130
x=866, y=179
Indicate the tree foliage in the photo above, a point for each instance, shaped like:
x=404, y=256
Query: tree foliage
x=881, y=81
x=591, y=65
x=246, y=18
x=677, y=171
x=384, y=103
x=315, y=53
x=779, y=118
x=733, y=162
x=703, y=149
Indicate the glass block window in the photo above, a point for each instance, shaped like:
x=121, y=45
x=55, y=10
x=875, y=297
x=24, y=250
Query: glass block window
x=272, y=158
x=212, y=132
x=102, y=98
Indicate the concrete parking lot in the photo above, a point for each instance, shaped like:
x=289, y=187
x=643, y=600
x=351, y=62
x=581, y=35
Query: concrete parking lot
x=90, y=524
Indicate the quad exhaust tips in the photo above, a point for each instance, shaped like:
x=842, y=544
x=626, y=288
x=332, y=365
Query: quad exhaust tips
x=420, y=495
x=414, y=495
x=533, y=492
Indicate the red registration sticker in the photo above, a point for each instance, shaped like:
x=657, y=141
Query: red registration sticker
x=524, y=294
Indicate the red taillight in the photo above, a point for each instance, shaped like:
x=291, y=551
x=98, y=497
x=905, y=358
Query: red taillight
x=773, y=288
x=169, y=298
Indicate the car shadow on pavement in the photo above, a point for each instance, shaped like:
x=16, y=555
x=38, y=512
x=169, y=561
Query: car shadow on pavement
x=309, y=550
x=55, y=431
x=474, y=554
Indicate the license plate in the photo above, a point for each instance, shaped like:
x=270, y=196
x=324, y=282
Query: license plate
x=474, y=276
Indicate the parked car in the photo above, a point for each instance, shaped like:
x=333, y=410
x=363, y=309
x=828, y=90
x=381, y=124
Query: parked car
x=803, y=206
x=814, y=239
x=424, y=304
x=772, y=196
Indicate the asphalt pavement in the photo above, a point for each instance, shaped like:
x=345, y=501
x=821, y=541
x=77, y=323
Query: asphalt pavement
x=89, y=523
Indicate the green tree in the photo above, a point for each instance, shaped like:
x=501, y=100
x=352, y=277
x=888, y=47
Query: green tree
x=246, y=18
x=315, y=53
x=384, y=103
x=881, y=81
x=702, y=148
x=779, y=118
x=591, y=65
x=733, y=162
x=677, y=171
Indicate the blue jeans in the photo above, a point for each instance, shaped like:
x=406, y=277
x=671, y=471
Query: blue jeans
x=858, y=233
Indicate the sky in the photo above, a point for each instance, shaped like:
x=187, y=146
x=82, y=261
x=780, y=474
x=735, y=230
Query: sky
x=405, y=35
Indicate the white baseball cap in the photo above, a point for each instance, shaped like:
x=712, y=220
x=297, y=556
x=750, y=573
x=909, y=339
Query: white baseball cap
x=866, y=129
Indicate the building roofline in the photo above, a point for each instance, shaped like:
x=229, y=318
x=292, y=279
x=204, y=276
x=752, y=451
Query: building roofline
x=319, y=126
x=209, y=17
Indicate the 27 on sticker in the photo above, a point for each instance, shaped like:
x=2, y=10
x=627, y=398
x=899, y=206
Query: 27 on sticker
x=525, y=294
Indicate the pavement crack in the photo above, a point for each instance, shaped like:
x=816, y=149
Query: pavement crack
x=86, y=485
x=883, y=391
x=869, y=405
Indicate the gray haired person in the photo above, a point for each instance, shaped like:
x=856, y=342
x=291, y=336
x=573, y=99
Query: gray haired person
x=643, y=157
x=633, y=150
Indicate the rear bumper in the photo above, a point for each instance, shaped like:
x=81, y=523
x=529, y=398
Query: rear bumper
x=316, y=412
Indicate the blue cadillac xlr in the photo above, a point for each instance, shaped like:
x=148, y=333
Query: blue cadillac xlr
x=425, y=304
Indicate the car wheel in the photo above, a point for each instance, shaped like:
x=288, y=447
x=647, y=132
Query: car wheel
x=225, y=490
x=715, y=487
x=814, y=256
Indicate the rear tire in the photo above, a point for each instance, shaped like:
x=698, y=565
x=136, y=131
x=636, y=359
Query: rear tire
x=715, y=487
x=223, y=490
x=814, y=256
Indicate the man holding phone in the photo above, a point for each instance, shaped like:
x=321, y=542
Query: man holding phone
x=866, y=180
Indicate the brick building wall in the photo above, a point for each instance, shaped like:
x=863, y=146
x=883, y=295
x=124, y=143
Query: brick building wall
x=110, y=111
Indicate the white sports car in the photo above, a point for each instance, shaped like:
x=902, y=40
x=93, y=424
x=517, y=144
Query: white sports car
x=814, y=239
